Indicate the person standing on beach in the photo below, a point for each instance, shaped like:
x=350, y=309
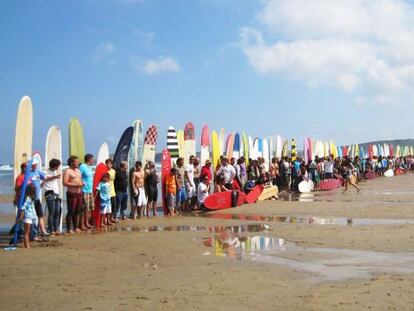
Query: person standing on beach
x=72, y=179
x=181, y=197
x=228, y=172
x=140, y=199
x=190, y=188
x=112, y=174
x=37, y=177
x=349, y=175
x=203, y=190
x=151, y=188
x=121, y=190
x=87, y=197
x=206, y=171
x=171, y=191
x=53, y=196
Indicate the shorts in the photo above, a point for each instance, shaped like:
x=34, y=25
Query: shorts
x=38, y=208
x=171, y=199
x=87, y=202
x=28, y=220
x=190, y=192
x=140, y=199
x=152, y=194
x=181, y=197
x=106, y=207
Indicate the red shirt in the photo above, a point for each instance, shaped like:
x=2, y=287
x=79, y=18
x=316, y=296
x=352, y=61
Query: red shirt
x=206, y=171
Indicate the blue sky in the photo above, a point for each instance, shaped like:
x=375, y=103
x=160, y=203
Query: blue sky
x=239, y=64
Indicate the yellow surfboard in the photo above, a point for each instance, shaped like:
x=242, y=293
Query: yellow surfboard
x=76, y=139
x=181, y=143
x=246, y=150
x=24, y=134
x=215, y=146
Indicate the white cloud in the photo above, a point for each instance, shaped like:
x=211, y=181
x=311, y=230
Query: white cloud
x=365, y=47
x=104, y=53
x=160, y=65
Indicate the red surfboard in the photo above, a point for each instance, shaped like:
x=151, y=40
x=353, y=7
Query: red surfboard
x=100, y=170
x=166, y=169
x=222, y=200
x=370, y=175
x=254, y=194
x=329, y=184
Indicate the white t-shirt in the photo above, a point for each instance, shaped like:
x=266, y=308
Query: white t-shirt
x=189, y=169
x=201, y=195
x=328, y=167
x=52, y=185
x=228, y=173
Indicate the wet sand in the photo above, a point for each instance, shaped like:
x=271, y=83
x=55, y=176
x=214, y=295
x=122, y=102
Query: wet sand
x=138, y=270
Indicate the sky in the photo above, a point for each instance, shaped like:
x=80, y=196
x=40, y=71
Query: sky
x=328, y=69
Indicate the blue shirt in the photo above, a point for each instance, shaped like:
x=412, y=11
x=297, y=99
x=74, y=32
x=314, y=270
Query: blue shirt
x=36, y=178
x=104, y=189
x=87, y=178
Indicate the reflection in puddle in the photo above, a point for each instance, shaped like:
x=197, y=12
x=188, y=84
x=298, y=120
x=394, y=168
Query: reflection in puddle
x=321, y=263
x=342, y=221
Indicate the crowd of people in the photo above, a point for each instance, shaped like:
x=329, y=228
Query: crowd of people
x=185, y=189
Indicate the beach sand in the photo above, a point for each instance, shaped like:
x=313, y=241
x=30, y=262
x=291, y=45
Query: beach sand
x=170, y=270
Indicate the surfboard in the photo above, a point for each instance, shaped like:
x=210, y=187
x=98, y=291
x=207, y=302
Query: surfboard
x=190, y=143
x=389, y=173
x=150, y=145
x=254, y=194
x=23, y=135
x=285, y=149
x=165, y=171
x=229, y=146
x=53, y=150
x=103, y=153
x=181, y=144
x=305, y=186
x=293, y=151
x=223, y=200
x=265, y=154
x=100, y=170
x=306, y=150
x=122, y=149
x=252, y=153
x=215, y=144
x=268, y=193
x=76, y=140
x=172, y=144
x=279, y=147
x=370, y=175
x=135, y=151
x=271, y=147
x=205, y=145
x=246, y=149
x=330, y=184
x=222, y=141
x=236, y=146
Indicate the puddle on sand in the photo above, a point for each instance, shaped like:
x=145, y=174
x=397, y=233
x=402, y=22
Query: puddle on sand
x=342, y=221
x=234, y=229
x=322, y=264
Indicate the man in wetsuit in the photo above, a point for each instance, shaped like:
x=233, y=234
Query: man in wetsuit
x=151, y=188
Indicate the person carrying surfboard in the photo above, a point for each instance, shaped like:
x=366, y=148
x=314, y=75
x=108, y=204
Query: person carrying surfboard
x=72, y=179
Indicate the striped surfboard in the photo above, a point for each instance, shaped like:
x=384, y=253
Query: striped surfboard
x=172, y=144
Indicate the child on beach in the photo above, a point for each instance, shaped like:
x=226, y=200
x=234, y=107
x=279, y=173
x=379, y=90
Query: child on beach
x=171, y=191
x=28, y=213
x=104, y=191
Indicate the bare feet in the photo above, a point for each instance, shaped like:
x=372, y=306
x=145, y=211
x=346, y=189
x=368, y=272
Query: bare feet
x=78, y=230
x=71, y=232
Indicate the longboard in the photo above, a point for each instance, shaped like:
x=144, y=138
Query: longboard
x=166, y=169
x=103, y=153
x=189, y=141
x=330, y=184
x=100, y=170
x=135, y=151
x=172, y=144
x=76, y=139
x=23, y=135
x=236, y=147
x=205, y=145
x=150, y=144
x=54, y=151
x=124, y=144
x=370, y=175
x=181, y=144
x=305, y=186
x=389, y=173
x=215, y=144
x=254, y=194
x=268, y=193
x=223, y=200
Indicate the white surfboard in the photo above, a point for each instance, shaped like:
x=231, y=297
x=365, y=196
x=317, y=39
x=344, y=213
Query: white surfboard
x=135, y=151
x=389, y=173
x=103, y=153
x=279, y=147
x=305, y=186
x=24, y=134
x=265, y=154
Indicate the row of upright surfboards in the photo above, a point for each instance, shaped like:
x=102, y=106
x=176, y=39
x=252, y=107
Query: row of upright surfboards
x=134, y=145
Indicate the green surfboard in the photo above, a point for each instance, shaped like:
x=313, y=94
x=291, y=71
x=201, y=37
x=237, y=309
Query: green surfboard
x=76, y=139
